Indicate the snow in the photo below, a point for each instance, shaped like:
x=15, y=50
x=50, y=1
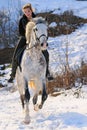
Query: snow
x=59, y=6
x=64, y=112
x=53, y=24
x=67, y=111
x=77, y=46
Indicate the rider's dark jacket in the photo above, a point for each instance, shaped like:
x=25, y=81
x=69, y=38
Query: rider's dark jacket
x=22, y=24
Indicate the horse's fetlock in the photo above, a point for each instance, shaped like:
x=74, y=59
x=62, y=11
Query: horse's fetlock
x=40, y=106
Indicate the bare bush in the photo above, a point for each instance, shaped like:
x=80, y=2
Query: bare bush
x=8, y=30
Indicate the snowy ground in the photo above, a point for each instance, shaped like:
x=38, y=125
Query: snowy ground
x=68, y=111
x=64, y=112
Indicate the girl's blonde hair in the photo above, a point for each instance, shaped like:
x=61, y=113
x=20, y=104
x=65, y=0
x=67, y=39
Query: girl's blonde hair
x=27, y=6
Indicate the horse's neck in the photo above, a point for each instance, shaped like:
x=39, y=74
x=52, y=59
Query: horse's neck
x=34, y=52
x=32, y=41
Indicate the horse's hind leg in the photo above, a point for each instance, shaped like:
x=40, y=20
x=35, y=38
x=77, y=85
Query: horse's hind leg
x=44, y=95
x=24, y=96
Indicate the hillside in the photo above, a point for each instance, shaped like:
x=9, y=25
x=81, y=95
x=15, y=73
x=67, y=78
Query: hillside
x=65, y=23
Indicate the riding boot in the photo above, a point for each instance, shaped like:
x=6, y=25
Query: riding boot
x=46, y=55
x=14, y=67
x=20, y=46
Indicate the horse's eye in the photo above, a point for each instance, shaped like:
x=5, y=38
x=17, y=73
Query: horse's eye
x=36, y=29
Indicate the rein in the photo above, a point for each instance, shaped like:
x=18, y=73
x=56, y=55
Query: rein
x=28, y=48
x=24, y=48
x=37, y=39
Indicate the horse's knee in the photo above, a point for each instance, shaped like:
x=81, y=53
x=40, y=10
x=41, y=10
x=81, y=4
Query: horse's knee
x=27, y=95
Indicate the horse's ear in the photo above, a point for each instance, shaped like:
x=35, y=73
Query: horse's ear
x=46, y=18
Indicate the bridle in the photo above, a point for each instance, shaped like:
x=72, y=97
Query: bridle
x=37, y=39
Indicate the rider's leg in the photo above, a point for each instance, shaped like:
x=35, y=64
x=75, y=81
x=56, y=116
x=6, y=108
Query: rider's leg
x=20, y=45
x=46, y=55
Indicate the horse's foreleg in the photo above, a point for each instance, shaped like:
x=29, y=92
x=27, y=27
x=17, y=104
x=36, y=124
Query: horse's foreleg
x=22, y=97
x=27, y=98
x=44, y=95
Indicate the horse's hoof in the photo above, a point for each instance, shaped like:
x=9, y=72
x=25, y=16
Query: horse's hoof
x=36, y=107
x=26, y=122
x=40, y=106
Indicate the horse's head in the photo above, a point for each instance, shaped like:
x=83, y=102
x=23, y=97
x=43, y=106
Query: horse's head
x=38, y=32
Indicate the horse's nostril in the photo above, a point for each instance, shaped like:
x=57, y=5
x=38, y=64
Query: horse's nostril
x=42, y=44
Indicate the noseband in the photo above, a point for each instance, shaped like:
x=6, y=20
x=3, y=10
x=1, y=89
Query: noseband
x=38, y=38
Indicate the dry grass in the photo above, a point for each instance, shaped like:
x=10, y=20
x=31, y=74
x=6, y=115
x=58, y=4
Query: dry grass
x=68, y=80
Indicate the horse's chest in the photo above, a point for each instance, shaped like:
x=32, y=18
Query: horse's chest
x=33, y=65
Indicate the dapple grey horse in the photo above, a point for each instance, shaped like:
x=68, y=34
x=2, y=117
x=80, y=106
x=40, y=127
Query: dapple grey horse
x=33, y=66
